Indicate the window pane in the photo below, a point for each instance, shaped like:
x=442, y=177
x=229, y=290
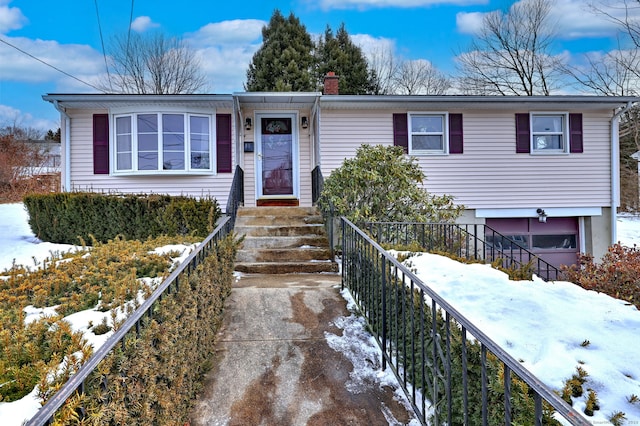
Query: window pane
x=173, y=123
x=123, y=143
x=123, y=161
x=547, y=123
x=426, y=142
x=199, y=160
x=123, y=125
x=547, y=142
x=199, y=143
x=173, y=161
x=148, y=142
x=566, y=241
x=508, y=242
x=199, y=125
x=147, y=123
x=426, y=124
x=173, y=142
x=147, y=161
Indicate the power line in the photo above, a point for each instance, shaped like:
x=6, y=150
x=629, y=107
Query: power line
x=104, y=53
x=49, y=65
x=129, y=32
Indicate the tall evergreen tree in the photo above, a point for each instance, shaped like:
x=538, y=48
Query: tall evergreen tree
x=340, y=55
x=285, y=60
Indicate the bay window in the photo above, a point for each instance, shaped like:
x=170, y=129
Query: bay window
x=163, y=143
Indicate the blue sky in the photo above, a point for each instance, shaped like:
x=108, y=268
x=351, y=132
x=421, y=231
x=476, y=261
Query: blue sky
x=65, y=34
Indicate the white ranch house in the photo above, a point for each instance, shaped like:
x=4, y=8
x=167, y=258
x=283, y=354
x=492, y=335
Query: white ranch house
x=543, y=170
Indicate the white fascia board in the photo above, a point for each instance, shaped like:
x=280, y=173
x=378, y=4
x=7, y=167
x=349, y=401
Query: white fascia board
x=531, y=212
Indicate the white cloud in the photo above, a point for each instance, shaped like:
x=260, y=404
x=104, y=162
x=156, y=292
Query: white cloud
x=373, y=4
x=373, y=45
x=225, y=50
x=11, y=18
x=78, y=60
x=10, y=116
x=143, y=23
x=572, y=19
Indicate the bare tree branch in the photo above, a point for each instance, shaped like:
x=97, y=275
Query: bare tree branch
x=512, y=53
x=154, y=64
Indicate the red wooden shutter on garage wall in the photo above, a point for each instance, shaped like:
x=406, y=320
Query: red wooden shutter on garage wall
x=101, y=144
x=401, y=132
x=223, y=143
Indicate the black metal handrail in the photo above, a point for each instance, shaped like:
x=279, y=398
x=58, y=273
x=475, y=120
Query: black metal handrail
x=317, y=185
x=470, y=241
x=417, y=331
x=133, y=323
x=236, y=195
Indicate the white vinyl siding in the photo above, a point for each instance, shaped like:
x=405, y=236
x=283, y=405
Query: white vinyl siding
x=82, y=177
x=489, y=174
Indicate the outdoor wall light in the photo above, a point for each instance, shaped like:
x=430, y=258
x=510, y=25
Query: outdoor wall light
x=305, y=122
x=247, y=123
x=542, y=216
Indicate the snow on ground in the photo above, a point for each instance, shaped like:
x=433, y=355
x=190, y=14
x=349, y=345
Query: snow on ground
x=19, y=246
x=543, y=324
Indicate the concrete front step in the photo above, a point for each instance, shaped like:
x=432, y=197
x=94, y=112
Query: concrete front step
x=283, y=240
x=287, y=267
x=268, y=242
x=277, y=255
x=279, y=230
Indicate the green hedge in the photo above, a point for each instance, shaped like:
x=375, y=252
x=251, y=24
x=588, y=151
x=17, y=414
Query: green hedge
x=156, y=377
x=76, y=217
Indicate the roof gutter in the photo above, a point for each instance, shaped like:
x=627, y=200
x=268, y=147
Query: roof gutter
x=615, y=170
x=66, y=169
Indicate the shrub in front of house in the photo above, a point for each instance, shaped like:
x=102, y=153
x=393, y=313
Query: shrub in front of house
x=154, y=378
x=381, y=184
x=82, y=217
x=617, y=274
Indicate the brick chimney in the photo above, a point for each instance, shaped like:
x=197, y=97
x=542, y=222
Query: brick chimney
x=331, y=84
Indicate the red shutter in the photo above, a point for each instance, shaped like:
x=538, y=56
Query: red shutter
x=575, y=133
x=455, y=134
x=101, y=144
x=523, y=137
x=401, y=132
x=223, y=143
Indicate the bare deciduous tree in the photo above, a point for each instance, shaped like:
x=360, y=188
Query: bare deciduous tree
x=512, y=53
x=384, y=66
x=153, y=64
x=420, y=77
x=395, y=76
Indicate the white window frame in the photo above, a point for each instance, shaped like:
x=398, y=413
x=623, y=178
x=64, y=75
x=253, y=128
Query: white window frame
x=445, y=133
x=564, y=133
x=186, y=114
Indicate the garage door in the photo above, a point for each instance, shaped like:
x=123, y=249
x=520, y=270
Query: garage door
x=554, y=241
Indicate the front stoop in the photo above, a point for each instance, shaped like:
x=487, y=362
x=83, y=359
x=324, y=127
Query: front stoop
x=282, y=240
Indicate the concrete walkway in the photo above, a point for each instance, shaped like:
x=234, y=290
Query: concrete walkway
x=273, y=365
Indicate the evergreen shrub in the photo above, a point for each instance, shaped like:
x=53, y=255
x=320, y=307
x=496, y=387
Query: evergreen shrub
x=155, y=378
x=73, y=217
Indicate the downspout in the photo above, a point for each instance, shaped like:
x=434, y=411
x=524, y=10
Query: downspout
x=615, y=170
x=66, y=179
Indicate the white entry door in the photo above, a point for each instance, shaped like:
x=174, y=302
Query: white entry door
x=277, y=165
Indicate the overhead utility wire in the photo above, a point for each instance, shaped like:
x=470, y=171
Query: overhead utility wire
x=129, y=32
x=104, y=53
x=51, y=66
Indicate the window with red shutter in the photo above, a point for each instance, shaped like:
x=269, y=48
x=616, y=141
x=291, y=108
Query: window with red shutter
x=223, y=143
x=100, y=144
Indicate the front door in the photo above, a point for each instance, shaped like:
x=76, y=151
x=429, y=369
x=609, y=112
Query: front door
x=277, y=164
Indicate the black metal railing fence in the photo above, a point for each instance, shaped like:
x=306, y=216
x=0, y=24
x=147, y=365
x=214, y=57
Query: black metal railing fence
x=468, y=241
x=317, y=185
x=132, y=325
x=450, y=370
x=236, y=195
